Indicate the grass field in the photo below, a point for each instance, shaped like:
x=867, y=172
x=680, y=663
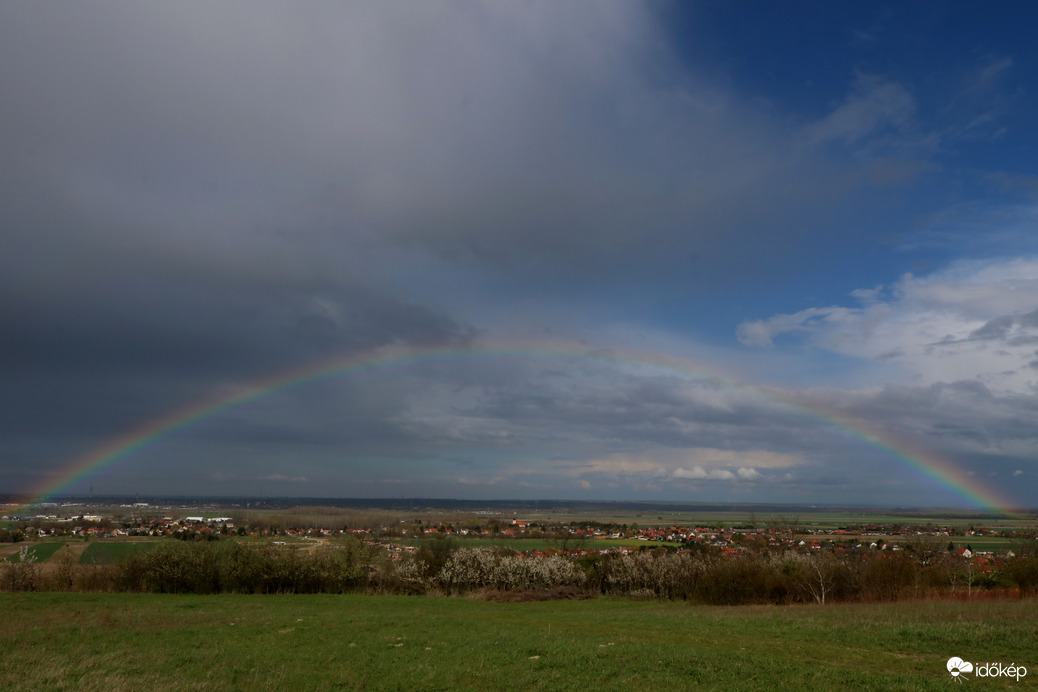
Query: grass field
x=130, y=642
x=109, y=553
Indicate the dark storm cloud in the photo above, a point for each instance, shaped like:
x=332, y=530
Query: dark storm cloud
x=157, y=197
x=278, y=157
x=262, y=138
x=146, y=325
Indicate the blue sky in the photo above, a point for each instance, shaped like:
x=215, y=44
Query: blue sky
x=810, y=210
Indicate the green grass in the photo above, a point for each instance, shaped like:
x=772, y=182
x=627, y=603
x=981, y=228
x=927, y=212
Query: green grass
x=41, y=551
x=133, y=641
x=108, y=553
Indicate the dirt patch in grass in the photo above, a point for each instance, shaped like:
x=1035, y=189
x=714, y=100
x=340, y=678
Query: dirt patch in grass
x=10, y=549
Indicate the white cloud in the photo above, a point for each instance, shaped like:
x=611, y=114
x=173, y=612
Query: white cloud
x=673, y=462
x=699, y=473
x=972, y=320
x=663, y=468
x=748, y=474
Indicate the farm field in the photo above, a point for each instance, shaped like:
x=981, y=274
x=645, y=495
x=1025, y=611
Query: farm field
x=97, y=553
x=38, y=551
x=145, y=641
x=108, y=552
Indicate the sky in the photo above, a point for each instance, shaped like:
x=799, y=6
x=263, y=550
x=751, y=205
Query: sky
x=697, y=251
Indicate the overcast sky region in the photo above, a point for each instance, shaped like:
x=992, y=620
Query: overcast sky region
x=696, y=251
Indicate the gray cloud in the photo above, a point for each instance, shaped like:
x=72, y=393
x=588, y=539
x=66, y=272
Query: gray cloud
x=992, y=329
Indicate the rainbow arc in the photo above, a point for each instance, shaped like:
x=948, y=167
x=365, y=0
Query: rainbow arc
x=929, y=464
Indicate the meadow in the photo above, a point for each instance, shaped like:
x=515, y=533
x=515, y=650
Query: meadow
x=62, y=641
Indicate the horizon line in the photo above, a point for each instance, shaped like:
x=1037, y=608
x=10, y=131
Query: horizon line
x=12, y=499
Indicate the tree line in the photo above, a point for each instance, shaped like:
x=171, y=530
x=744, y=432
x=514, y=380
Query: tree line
x=439, y=567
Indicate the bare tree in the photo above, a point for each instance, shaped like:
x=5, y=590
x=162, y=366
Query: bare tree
x=970, y=574
x=786, y=526
x=565, y=539
x=961, y=569
x=818, y=574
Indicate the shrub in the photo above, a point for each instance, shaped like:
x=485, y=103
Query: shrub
x=22, y=574
x=663, y=574
x=887, y=576
x=747, y=579
x=468, y=570
x=1023, y=571
x=180, y=568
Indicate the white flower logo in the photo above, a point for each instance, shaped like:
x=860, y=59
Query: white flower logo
x=956, y=666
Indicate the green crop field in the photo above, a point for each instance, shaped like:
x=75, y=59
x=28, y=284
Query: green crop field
x=40, y=551
x=56, y=641
x=108, y=553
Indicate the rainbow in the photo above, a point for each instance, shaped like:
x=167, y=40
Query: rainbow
x=926, y=462
x=929, y=464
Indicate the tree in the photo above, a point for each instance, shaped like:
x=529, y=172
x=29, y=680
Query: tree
x=785, y=526
x=961, y=569
x=971, y=574
x=564, y=539
x=434, y=553
x=818, y=573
